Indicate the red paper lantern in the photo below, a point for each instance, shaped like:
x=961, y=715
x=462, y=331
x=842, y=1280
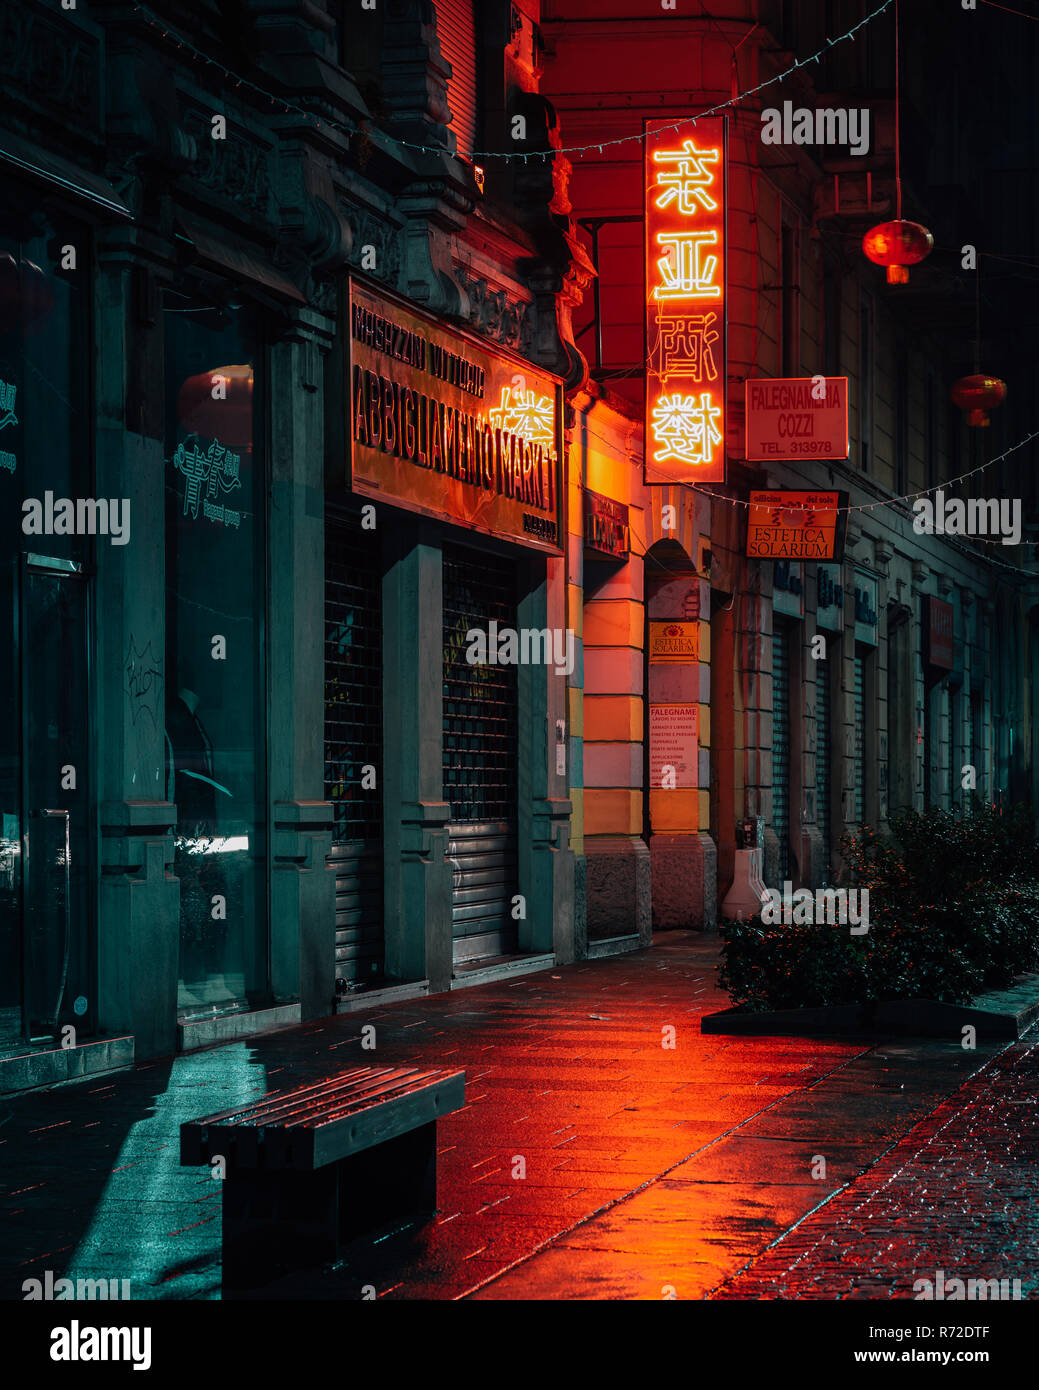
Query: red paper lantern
x=219, y=405
x=897, y=245
x=978, y=395
x=26, y=297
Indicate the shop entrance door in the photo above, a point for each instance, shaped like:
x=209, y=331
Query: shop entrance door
x=480, y=756
x=46, y=948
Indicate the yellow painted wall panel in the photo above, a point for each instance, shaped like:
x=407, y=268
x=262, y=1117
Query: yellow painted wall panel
x=613, y=719
x=613, y=623
x=610, y=475
x=612, y=812
x=575, y=600
x=674, y=810
x=577, y=820
x=575, y=712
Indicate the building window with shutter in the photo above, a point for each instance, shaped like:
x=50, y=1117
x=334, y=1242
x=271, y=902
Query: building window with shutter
x=863, y=712
x=456, y=30
x=781, y=732
x=823, y=737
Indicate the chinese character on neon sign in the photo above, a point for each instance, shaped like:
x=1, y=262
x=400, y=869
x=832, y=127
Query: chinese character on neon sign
x=685, y=301
x=525, y=415
x=218, y=469
x=689, y=182
x=684, y=428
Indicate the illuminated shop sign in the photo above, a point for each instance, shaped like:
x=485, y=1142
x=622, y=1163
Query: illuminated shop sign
x=215, y=468
x=8, y=395
x=829, y=601
x=797, y=418
x=786, y=525
x=605, y=525
x=442, y=425
x=866, y=608
x=671, y=643
x=685, y=249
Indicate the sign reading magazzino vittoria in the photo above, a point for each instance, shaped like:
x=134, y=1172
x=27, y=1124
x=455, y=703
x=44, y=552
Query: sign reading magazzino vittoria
x=441, y=424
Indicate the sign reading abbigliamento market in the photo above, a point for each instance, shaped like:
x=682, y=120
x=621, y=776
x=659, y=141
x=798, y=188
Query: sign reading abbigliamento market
x=443, y=425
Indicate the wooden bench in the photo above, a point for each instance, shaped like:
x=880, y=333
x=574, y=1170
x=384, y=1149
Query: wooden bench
x=308, y=1169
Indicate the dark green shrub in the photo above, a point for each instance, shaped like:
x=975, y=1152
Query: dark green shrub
x=789, y=967
x=953, y=910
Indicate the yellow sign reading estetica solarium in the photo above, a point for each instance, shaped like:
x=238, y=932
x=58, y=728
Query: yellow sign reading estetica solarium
x=443, y=425
x=674, y=642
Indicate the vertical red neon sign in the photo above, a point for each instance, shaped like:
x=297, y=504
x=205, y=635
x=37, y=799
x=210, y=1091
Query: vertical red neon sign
x=684, y=173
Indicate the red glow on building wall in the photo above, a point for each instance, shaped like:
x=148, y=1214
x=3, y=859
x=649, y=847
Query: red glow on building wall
x=684, y=180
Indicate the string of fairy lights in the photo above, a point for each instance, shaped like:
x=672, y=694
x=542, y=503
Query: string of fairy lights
x=183, y=46
x=885, y=501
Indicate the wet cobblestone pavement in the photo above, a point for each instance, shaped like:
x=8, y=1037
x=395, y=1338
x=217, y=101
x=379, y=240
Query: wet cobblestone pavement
x=647, y=1167
x=957, y=1194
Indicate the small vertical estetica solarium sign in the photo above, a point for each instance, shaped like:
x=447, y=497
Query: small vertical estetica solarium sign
x=684, y=171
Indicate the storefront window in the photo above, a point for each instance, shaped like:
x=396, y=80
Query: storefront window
x=46, y=842
x=215, y=656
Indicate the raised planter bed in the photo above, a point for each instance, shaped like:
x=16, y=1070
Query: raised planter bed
x=1004, y=1013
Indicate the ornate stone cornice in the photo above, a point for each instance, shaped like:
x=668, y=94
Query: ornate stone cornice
x=494, y=314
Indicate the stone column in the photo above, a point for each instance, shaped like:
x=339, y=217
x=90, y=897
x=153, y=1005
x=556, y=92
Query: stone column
x=139, y=917
x=920, y=577
x=418, y=876
x=546, y=862
x=754, y=675
x=302, y=884
x=618, y=867
x=811, y=852
x=684, y=860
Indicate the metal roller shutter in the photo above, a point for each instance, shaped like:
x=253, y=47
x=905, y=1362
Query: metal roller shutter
x=860, y=740
x=456, y=29
x=480, y=756
x=353, y=739
x=781, y=746
x=823, y=734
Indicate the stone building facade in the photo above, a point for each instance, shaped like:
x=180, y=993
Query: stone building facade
x=251, y=774
x=923, y=695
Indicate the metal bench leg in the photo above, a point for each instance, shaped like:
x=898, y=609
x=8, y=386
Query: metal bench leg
x=275, y=1222
x=394, y=1182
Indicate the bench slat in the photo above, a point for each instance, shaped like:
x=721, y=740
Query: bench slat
x=372, y=1095
x=291, y=1109
x=313, y=1125
x=228, y=1116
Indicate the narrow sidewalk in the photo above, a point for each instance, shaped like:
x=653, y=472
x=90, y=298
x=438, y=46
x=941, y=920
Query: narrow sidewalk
x=580, y=1117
